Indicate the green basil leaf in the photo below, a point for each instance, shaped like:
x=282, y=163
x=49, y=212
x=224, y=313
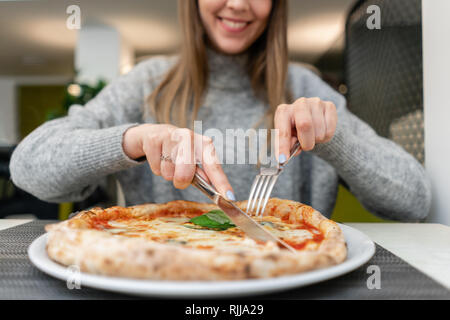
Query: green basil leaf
x=215, y=219
x=219, y=216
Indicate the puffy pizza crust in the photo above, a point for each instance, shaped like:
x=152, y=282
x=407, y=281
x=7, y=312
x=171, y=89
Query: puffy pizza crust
x=72, y=242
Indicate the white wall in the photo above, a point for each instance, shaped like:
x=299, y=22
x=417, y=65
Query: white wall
x=436, y=56
x=101, y=53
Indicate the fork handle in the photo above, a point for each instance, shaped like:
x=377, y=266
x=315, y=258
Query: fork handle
x=295, y=148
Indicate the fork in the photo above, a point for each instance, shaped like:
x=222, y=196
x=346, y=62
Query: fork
x=264, y=182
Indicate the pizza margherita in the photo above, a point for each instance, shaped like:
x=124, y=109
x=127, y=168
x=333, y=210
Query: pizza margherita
x=184, y=240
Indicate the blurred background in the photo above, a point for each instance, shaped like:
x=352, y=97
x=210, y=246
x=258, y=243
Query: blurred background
x=46, y=65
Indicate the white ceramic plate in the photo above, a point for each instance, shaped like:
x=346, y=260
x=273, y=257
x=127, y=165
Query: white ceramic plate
x=360, y=250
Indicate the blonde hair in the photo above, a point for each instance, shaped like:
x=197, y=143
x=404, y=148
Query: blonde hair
x=180, y=93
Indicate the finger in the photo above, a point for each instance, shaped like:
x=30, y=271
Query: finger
x=331, y=120
x=198, y=156
x=184, y=163
x=293, y=141
x=211, y=166
x=199, y=140
x=318, y=117
x=167, y=166
x=283, y=127
x=153, y=149
x=304, y=125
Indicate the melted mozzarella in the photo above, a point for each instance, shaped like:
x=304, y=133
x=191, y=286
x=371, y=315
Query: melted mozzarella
x=178, y=231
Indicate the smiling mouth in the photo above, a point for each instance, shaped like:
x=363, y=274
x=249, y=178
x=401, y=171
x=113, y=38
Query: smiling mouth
x=234, y=25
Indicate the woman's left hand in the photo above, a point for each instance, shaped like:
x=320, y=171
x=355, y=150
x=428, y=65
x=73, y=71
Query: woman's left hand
x=310, y=120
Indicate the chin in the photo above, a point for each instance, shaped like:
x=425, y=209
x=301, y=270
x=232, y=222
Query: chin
x=232, y=48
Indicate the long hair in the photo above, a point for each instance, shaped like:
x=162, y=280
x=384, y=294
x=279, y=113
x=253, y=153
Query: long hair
x=178, y=97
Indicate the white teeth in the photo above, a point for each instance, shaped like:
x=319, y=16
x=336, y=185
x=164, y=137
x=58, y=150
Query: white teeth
x=234, y=25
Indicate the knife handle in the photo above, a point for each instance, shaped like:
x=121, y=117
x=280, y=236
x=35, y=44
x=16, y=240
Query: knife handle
x=205, y=187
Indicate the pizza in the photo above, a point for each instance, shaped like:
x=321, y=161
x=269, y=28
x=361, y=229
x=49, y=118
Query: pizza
x=182, y=240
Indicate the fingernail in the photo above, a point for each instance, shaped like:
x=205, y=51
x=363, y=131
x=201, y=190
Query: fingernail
x=230, y=195
x=282, y=158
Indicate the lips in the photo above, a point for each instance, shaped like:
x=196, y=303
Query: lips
x=233, y=25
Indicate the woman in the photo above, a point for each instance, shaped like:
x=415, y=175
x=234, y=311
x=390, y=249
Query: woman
x=231, y=73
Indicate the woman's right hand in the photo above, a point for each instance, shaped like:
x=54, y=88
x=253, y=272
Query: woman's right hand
x=173, y=152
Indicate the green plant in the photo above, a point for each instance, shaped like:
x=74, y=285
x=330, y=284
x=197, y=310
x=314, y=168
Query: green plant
x=76, y=93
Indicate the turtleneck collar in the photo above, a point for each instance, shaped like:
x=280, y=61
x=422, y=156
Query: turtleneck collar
x=227, y=71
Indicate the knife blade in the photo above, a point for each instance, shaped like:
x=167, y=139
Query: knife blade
x=237, y=216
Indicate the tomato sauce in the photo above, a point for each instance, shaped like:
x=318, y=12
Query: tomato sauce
x=317, y=238
x=188, y=213
x=100, y=224
x=204, y=247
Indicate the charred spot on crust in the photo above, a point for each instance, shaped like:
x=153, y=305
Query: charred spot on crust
x=156, y=267
x=88, y=214
x=149, y=252
x=307, y=210
x=272, y=257
x=247, y=270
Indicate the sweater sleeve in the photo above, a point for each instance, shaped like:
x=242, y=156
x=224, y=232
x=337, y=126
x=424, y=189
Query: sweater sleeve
x=386, y=179
x=64, y=159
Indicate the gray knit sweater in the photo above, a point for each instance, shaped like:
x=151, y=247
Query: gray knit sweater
x=65, y=159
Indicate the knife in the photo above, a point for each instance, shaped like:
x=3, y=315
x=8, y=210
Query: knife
x=239, y=217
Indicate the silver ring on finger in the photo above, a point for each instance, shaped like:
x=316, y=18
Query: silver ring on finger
x=166, y=158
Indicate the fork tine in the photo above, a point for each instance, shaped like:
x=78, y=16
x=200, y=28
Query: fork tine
x=252, y=192
x=263, y=192
x=268, y=193
x=258, y=189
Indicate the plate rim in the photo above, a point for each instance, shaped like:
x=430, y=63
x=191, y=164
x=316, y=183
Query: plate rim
x=198, y=289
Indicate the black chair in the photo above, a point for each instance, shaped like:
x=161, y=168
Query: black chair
x=5, y=154
x=383, y=71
